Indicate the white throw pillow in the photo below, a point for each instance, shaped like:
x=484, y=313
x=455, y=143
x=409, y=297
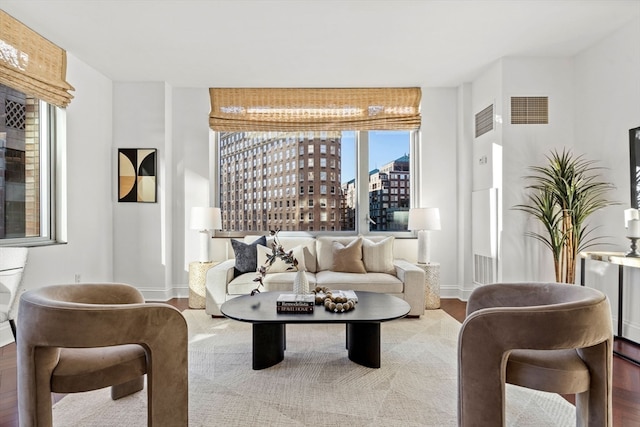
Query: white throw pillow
x=378, y=256
x=279, y=266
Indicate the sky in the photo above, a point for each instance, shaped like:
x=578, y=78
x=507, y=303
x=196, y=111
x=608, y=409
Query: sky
x=384, y=147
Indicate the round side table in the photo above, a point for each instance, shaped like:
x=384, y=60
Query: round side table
x=431, y=285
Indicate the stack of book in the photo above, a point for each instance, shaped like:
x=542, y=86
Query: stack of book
x=293, y=303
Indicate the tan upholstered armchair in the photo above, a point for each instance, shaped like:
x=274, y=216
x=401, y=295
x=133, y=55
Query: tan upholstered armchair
x=75, y=338
x=550, y=337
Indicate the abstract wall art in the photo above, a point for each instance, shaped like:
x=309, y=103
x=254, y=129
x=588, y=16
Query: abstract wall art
x=137, y=175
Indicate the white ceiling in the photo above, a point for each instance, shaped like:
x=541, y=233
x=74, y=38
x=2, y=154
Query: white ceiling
x=315, y=43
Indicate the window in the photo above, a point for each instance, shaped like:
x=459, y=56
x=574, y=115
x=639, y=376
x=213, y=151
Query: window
x=26, y=169
x=362, y=164
x=385, y=155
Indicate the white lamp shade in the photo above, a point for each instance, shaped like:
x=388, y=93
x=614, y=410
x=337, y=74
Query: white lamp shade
x=424, y=219
x=206, y=218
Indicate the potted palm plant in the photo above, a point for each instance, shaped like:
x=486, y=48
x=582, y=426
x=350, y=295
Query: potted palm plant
x=562, y=195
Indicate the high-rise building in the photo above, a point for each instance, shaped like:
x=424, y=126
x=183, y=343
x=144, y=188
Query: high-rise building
x=280, y=180
x=19, y=156
x=389, y=196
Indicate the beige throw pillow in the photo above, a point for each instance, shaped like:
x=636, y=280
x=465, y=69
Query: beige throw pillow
x=378, y=256
x=348, y=259
x=279, y=266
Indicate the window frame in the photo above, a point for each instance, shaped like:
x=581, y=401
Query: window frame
x=52, y=134
x=362, y=194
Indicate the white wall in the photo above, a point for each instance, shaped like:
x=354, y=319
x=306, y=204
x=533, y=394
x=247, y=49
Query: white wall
x=89, y=191
x=607, y=93
x=439, y=179
x=191, y=175
x=142, y=237
x=524, y=258
x=89, y=188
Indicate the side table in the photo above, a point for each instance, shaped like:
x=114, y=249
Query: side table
x=197, y=283
x=431, y=284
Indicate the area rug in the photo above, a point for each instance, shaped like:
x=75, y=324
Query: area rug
x=317, y=384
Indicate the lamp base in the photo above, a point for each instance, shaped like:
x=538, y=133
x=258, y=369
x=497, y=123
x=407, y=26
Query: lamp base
x=204, y=246
x=423, y=247
x=633, y=252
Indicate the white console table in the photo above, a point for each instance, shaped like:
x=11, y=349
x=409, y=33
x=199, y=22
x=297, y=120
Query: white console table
x=619, y=259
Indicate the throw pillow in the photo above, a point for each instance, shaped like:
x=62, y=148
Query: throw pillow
x=246, y=255
x=378, y=256
x=279, y=266
x=348, y=259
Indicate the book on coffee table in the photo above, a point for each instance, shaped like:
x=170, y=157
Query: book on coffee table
x=293, y=303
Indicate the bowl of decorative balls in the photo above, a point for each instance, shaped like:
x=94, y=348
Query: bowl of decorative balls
x=334, y=301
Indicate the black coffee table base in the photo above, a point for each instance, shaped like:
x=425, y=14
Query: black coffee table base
x=269, y=327
x=269, y=344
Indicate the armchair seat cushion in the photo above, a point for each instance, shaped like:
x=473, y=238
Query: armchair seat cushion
x=556, y=371
x=85, y=369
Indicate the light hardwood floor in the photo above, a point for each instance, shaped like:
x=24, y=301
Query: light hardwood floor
x=626, y=377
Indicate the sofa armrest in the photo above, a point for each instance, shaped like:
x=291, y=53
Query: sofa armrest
x=218, y=278
x=413, y=278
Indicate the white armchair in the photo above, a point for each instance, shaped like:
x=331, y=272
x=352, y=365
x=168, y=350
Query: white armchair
x=12, y=263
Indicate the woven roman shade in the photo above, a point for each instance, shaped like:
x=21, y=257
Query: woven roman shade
x=32, y=64
x=290, y=109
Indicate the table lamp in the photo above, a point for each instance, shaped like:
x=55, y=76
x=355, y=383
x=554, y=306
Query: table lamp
x=205, y=219
x=424, y=220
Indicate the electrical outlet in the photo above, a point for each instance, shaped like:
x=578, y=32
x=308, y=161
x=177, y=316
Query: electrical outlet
x=77, y=277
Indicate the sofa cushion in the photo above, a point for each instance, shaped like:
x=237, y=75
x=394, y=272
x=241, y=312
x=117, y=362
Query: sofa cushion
x=374, y=282
x=288, y=242
x=378, y=256
x=246, y=255
x=324, y=250
x=283, y=282
x=279, y=266
x=348, y=259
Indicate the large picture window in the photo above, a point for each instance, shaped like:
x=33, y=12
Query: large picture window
x=311, y=160
x=26, y=169
x=288, y=181
x=32, y=85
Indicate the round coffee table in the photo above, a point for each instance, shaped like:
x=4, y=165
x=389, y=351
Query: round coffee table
x=362, y=324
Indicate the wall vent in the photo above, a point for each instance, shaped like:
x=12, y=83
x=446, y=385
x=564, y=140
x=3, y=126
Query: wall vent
x=484, y=121
x=484, y=270
x=529, y=110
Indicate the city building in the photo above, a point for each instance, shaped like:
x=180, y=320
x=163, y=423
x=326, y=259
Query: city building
x=280, y=180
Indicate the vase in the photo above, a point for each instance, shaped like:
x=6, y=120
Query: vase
x=300, y=283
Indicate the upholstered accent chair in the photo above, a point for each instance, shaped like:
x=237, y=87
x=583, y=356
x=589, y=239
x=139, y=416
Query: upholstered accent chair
x=12, y=264
x=545, y=336
x=81, y=337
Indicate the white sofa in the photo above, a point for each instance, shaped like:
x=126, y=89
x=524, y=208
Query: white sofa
x=384, y=273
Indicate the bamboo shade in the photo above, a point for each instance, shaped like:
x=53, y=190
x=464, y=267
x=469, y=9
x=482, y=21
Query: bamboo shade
x=289, y=109
x=32, y=64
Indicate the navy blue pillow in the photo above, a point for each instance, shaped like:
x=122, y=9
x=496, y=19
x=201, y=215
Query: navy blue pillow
x=246, y=255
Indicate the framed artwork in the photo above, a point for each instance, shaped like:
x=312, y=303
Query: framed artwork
x=137, y=180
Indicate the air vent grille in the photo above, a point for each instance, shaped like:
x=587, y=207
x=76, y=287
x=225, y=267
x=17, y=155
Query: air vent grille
x=529, y=110
x=484, y=121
